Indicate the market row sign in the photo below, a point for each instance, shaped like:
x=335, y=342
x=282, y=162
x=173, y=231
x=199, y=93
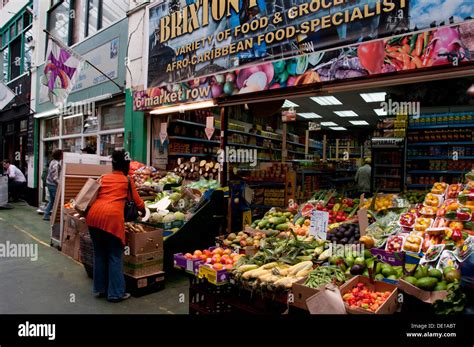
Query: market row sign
x=210, y=49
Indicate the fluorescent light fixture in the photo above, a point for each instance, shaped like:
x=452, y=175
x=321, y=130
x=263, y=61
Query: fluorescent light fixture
x=289, y=104
x=346, y=114
x=374, y=97
x=73, y=116
x=380, y=112
x=309, y=115
x=326, y=100
x=338, y=128
x=358, y=122
x=184, y=107
x=328, y=124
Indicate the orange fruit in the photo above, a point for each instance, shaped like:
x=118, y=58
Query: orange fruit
x=217, y=266
x=227, y=251
x=203, y=257
x=229, y=266
x=197, y=253
x=188, y=256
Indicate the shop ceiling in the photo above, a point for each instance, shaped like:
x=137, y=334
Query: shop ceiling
x=334, y=114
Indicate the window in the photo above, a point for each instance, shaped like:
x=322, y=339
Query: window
x=112, y=117
x=110, y=143
x=27, y=50
x=72, y=124
x=90, y=124
x=92, y=17
x=78, y=22
x=72, y=145
x=5, y=64
x=51, y=127
x=58, y=21
x=15, y=58
x=113, y=11
x=48, y=149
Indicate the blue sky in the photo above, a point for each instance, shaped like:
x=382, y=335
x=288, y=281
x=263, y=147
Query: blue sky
x=423, y=12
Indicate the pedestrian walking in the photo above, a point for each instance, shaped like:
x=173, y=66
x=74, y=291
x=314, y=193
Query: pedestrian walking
x=52, y=181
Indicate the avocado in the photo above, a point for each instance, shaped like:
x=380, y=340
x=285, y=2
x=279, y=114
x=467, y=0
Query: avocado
x=447, y=269
x=367, y=253
x=421, y=272
x=387, y=270
x=452, y=275
x=441, y=286
x=435, y=273
x=379, y=277
x=392, y=277
x=427, y=283
x=378, y=268
x=411, y=280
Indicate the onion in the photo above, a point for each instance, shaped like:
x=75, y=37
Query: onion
x=291, y=81
x=269, y=71
x=445, y=40
x=255, y=83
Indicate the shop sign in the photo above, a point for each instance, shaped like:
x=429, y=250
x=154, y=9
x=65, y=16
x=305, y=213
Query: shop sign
x=313, y=126
x=319, y=224
x=209, y=130
x=407, y=52
x=163, y=133
x=288, y=116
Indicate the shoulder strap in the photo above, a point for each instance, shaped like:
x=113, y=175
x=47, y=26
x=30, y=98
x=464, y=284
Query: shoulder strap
x=129, y=194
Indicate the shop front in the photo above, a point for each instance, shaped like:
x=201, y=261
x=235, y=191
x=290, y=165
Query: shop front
x=331, y=123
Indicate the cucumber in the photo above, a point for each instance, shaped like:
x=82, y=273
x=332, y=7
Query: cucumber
x=263, y=223
x=277, y=220
x=287, y=214
x=300, y=221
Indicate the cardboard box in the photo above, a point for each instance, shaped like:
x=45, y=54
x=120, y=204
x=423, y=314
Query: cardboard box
x=388, y=307
x=423, y=295
x=71, y=242
x=142, y=243
x=143, y=264
x=189, y=265
x=213, y=276
x=301, y=293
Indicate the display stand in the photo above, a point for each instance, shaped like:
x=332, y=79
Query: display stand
x=73, y=177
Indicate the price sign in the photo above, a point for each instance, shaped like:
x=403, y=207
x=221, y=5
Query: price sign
x=313, y=126
x=288, y=116
x=319, y=224
x=163, y=132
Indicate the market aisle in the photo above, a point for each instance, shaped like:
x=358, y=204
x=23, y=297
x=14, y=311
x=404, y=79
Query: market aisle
x=48, y=284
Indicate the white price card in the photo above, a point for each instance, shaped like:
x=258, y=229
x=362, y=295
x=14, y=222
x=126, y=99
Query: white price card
x=319, y=224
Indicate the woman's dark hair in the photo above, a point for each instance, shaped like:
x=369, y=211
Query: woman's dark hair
x=120, y=161
x=57, y=154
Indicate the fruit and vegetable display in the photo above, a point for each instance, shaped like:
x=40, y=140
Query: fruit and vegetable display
x=344, y=233
x=323, y=275
x=433, y=279
x=217, y=258
x=362, y=297
x=274, y=220
x=414, y=197
x=195, y=169
x=243, y=239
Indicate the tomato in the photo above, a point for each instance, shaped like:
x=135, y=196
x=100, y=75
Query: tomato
x=197, y=253
x=188, y=256
x=203, y=257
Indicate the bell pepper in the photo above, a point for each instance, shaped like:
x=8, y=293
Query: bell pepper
x=457, y=235
x=470, y=176
x=371, y=56
x=464, y=214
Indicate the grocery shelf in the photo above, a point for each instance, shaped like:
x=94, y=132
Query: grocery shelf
x=388, y=165
x=441, y=157
x=192, y=139
x=441, y=126
x=349, y=170
x=188, y=123
x=460, y=143
x=260, y=206
x=342, y=179
x=310, y=172
x=390, y=189
x=303, y=145
x=388, y=176
x=266, y=184
x=254, y=135
x=453, y=172
x=191, y=155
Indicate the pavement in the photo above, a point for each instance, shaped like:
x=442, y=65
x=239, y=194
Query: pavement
x=55, y=283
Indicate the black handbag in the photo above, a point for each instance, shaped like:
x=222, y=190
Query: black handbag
x=131, y=210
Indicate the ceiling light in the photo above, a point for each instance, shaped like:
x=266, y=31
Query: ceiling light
x=338, y=128
x=346, y=114
x=358, y=122
x=380, y=112
x=374, y=97
x=184, y=107
x=329, y=124
x=326, y=100
x=309, y=115
x=288, y=104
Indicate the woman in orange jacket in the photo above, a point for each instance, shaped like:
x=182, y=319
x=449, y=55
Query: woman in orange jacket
x=106, y=223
